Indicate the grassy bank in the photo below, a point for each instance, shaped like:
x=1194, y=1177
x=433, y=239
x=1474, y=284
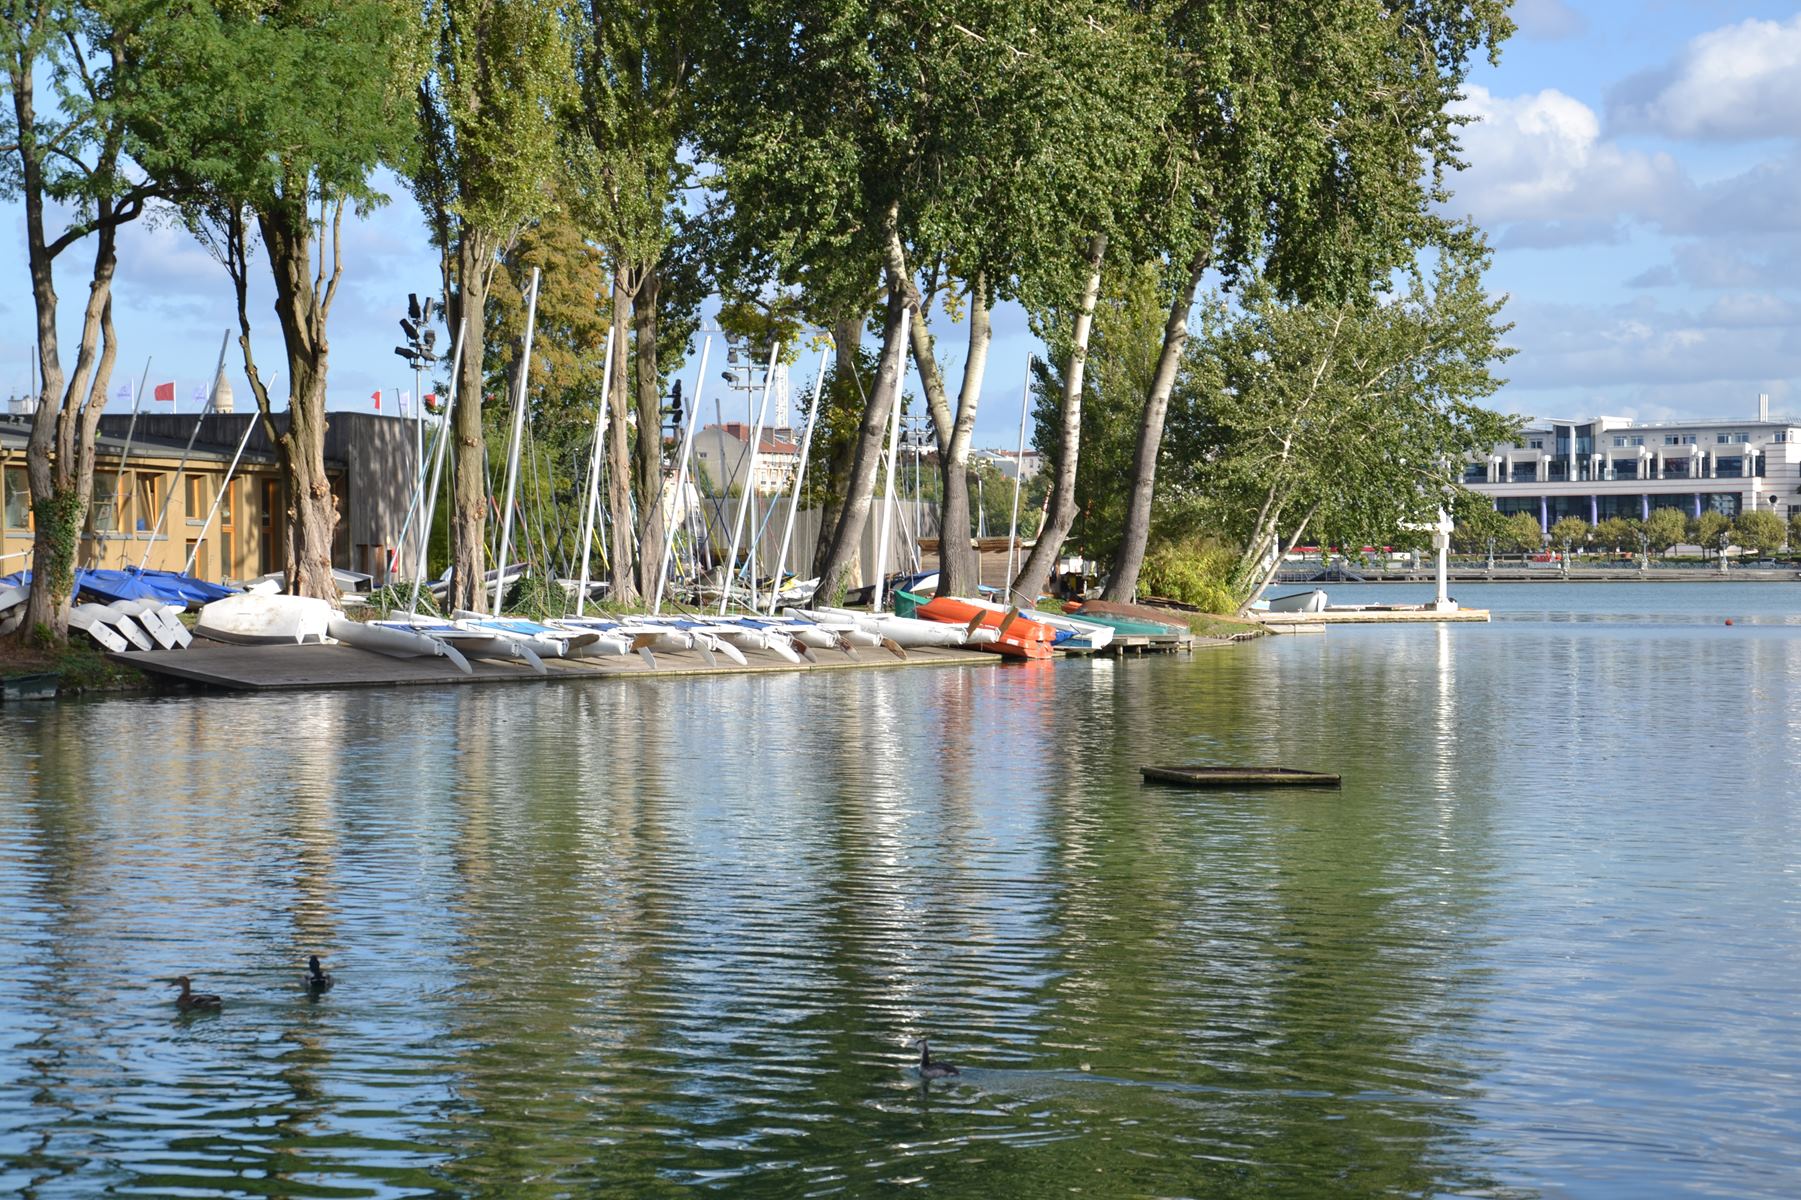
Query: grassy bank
x=80, y=668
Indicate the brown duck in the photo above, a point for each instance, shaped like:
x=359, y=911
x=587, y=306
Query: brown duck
x=192, y=1001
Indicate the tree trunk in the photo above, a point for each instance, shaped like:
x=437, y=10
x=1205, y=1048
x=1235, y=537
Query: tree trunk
x=1137, y=530
x=847, y=340
x=1061, y=513
x=622, y=586
x=872, y=430
x=958, y=565
x=302, y=307
x=469, y=476
x=59, y=456
x=650, y=432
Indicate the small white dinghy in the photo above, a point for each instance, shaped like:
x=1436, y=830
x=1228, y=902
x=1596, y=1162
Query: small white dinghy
x=255, y=618
x=149, y=615
x=12, y=607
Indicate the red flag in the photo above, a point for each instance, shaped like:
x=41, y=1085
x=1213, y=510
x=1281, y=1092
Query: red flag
x=431, y=402
x=165, y=392
x=377, y=398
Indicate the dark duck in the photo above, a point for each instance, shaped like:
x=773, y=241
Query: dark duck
x=317, y=979
x=192, y=1001
x=929, y=1069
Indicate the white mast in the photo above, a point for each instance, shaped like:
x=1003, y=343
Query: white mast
x=750, y=481
x=525, y=373
x=800, y=477
x=600, y=433
x=437, y=468
x=888, y=501
x=1019, y=465
x=182, y=466
x=681, y=475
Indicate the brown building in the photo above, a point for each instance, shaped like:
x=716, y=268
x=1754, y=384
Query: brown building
x=156, y=512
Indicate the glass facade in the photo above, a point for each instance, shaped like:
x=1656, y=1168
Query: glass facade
x=17, y=488
x=1524, y=472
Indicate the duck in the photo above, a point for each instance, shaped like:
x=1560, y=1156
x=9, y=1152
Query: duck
x=192, y=1001
x=929, y=1069
x=317, y=980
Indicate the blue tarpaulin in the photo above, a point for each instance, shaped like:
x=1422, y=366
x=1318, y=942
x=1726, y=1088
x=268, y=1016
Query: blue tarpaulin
x=132, y=584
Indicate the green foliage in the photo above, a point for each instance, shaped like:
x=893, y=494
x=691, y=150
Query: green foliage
x=1569, y=532
x=1664, y=528
x=57, y=519
x=1760, y=531
x=1520, y=534
x=279, y=105
x=1707, y=530
x=1615, y=533
x=1345, y=419
x=1794, y=529
x=1195, y=570
x=1478, y=525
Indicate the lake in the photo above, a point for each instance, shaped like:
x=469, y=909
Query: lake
x=661, y=937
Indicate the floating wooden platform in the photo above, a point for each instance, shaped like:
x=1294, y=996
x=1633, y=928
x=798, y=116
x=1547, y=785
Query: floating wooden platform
x=277, y=668
x=1233, y=777
x=1281, y=621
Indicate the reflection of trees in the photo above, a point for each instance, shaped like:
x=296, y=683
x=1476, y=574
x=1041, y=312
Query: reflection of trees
x=1291, y=950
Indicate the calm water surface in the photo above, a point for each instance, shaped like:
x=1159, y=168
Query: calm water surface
x=655, y=938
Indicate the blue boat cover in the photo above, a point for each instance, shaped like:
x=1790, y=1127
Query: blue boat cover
x=132, y=584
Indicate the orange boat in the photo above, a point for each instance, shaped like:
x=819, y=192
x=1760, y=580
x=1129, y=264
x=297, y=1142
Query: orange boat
x=1020, y=636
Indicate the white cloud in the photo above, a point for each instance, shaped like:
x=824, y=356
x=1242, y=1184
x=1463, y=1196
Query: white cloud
x=1738, y=83
x=1540, y=159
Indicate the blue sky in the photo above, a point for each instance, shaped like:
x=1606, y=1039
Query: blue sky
x=1637, y=167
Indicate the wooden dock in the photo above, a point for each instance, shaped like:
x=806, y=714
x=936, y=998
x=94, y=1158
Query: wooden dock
x=279, y=668
x=1310, y=622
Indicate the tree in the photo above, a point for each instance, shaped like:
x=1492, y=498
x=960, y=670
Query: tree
x=1345, y=417
x=1567, y=532
x=1706, y=530
x=73, y=160
x=1313, y=139
x=489, y=114
x=1521, y=533
x=1664, y=528
x=1479, y=527
x=887, y=144
x=1616, y=533
x=637, y=114
x=1761, y=532
x=272, y=118
x=1794, y=529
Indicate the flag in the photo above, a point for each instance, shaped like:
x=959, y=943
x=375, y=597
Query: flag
x=431, y=402
x=405, y=402
x=377, y=398
x=124, y=393
x=165, y=392
x=200, y=398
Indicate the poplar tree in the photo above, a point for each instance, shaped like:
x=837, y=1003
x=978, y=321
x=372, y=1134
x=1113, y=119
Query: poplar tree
x=73, y=157
x=490, y=113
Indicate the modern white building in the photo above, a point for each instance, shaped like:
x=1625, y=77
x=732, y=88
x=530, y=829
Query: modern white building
x=1605, y=467
x=723, y=451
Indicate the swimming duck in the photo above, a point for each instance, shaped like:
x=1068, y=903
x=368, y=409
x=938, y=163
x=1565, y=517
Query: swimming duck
x=316, y=980
x=192, y=1001
x=929, y=1069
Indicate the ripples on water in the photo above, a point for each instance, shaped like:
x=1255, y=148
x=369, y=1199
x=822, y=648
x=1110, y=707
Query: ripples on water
x=646, y=937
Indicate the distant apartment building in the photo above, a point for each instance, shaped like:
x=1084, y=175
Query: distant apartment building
x=1011, y=464
x=722, y=452
x=1605, y=467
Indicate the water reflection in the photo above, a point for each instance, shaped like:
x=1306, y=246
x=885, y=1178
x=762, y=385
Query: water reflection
x=634, y=938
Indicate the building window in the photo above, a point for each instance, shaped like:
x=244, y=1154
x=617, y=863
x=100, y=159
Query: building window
x=1638, y=441
x=1619, y=441
x=199, y=498
x=1729, y=468
x=196, y=550
x=17, y=486
x=1781, y=436
x=1671, y=440
x=149, y=500
x=104, y=515
x=1538, y=443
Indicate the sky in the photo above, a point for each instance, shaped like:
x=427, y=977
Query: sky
x=1636, y=166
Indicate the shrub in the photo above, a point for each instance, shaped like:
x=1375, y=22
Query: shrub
x=1195, y=570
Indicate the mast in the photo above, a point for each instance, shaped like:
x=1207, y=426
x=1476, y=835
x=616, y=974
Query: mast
x=681, y=476
x=800, y=477
x=600, y=432
x=750, y=480
x=525, y=373
x=1019, y=464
